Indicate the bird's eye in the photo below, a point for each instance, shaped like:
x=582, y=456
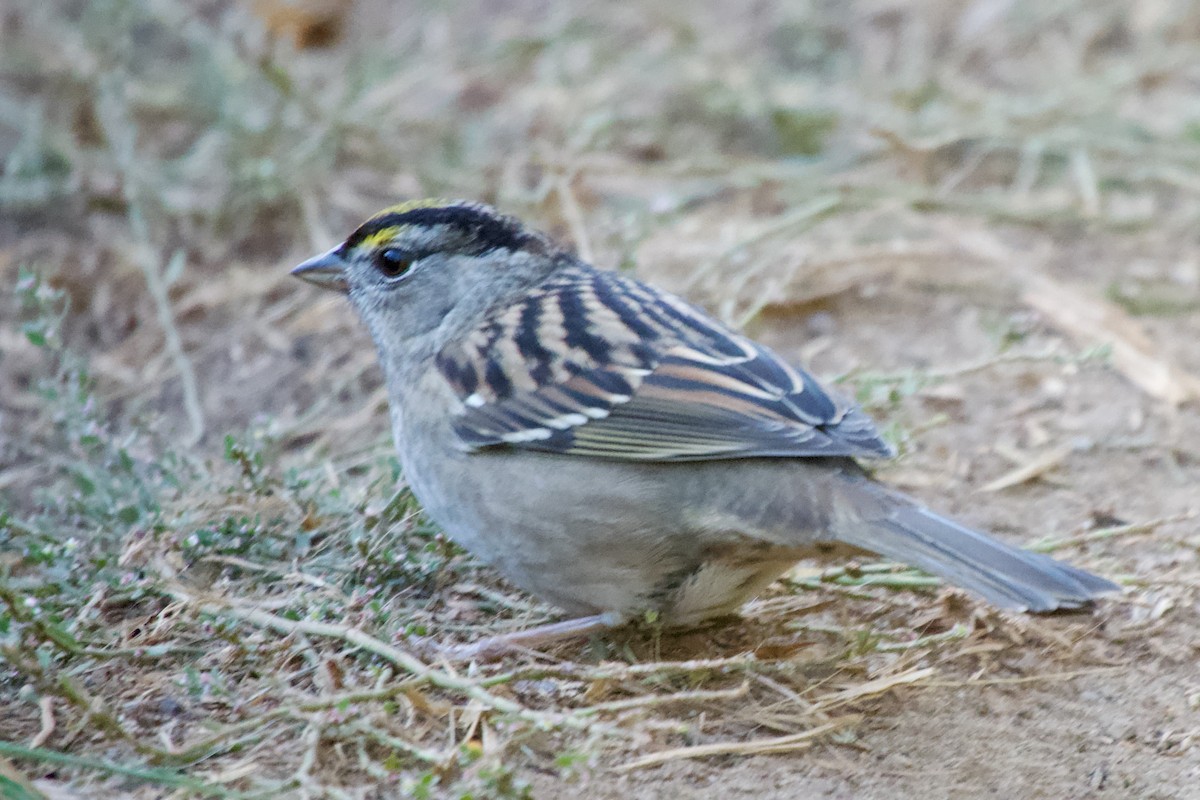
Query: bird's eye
x=393, y=262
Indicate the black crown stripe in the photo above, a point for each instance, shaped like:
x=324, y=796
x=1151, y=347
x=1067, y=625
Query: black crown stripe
x=486, y=229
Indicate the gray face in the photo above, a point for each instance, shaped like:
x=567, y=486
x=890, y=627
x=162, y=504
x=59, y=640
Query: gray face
x=403, y=280
x=419, y=276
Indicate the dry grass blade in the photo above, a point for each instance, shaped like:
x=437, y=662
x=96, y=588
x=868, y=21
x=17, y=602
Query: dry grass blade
x=46, y=705
x=874, y=687
x=777, y=744
x=626, y=672
x=1094, y=319
x=781, y=744
x=14, y=785
x=1030, y=470
x=1132, y=529
x=658, y=700
x=1023, y=680
x=405, y=661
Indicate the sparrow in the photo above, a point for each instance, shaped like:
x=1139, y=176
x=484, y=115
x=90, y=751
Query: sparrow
x=613, y=449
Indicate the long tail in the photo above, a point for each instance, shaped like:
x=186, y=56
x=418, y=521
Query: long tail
x=898, y=528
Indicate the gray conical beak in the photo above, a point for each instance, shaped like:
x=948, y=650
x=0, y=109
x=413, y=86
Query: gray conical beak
x=327, y=270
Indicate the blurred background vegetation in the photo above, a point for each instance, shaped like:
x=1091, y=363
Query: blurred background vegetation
x=174, y=412
x=165, y=159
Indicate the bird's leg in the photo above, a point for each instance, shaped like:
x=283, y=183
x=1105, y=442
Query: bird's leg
x=495, y=646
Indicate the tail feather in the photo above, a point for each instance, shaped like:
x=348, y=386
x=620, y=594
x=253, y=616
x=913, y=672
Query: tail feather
x=1007, y=576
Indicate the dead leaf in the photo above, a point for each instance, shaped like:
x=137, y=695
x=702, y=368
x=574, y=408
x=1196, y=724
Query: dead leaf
x=1084, y=316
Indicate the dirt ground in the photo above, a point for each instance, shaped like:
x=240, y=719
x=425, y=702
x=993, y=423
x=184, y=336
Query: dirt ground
x=979, y=218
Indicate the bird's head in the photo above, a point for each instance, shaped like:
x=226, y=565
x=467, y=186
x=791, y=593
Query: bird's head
x=429, y=265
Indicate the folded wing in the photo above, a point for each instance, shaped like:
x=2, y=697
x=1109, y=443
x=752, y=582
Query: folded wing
x=600, y=365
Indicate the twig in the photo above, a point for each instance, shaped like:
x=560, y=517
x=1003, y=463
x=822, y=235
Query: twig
x=312, y=738
x=656, y=700
x=778, y=744
x=896, y=576
x=871, y=688
x=1053, y=676
x=1085, y=177
x=15, y=785
x=46, y=704
x=364, y=728
x=120, y=129
x=161, y=777
x=622, y=672
x=856, y=570
x=1030, y=470
x=1085, y=316
x=814, y=210
x=933, y=377
x=574, y=215
x=62, y=686
x=900, y=580
x=405, y=661
x=226, y=739
x=299, y=711
x=289, y=572
x=1051, y=545
x=62, y=639
x=959, y=631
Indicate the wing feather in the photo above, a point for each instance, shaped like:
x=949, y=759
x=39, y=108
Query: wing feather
x=600, y=365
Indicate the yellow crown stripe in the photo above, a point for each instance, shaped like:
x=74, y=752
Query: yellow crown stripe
x=413, y=205
x=380, y=237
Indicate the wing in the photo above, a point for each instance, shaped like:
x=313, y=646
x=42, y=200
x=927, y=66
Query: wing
x=597, y=364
